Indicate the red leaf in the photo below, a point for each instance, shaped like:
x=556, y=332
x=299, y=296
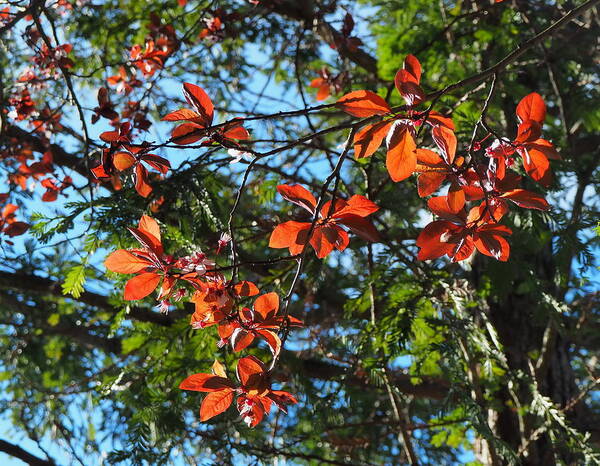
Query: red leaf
x=361, y=227
x=369, y=138
x=187, y=133
x=545, y=147
x=492, y=245
x=532, y=107
x=158, y=163
x=148, y=240
x=241, y=339
x=249, y=369
x=236, y=131
x=245, y=288
x=528, y=131
x=526, y=199
x=446, y=141
x=183, y=114
x=141, y=286
x=363, y=104
x=16, y=229
x=412, y=65
x=298, y=195
x=536, y=165
x=267, y=304
x=272, y=340
x=327, y=237
x=357, y=205
x=197, y=98
x=292, y=235
x=435, y=118
x=430, y=182
x=141, y=181
x=429, y=240
x=401, y=160
x=122, y=261
x=408, y=87
x=215, y=403
x=206, y=383
x=456, y=198
x=150, y=226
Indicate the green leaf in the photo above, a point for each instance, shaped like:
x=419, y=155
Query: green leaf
x=74, y=281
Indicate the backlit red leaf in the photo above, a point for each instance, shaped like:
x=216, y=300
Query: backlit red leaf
x=532, y=107
x=206, y=383
x=292, y=235
x=141, y=286
x=122, y=261
x=369, y=138
x=526, y=199
x=267, y=304
x=198, y=99
x=298, y=195
x=401, y=159
x=215, y=403
x=363, y=104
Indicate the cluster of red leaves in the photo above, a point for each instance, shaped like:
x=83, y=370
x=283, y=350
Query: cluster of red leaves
x=345, y=40
x=161, y=43
x=49, y=58
x=9, y=225
x=327, y=234
x=198, y=122
x=328, y=83
x=215, y=301
x=254, y=394
x=459, y=231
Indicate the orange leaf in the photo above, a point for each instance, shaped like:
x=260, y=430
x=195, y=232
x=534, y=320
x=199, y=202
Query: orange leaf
x=267, y=304
x=183, y=114
x=532, y=107
x=141, y=181
x=206, y=383
x=455, y=198
x=249, y=368
x=245, y=288
x=150, y=226
x=429, y=182
x=215, y=403
x=122, y=261
x=446, y=141
x=272, y=340
x=327, y=237
x=369, y=138
x=292, y=235
x=357, y=205
x=241, y=339
x=401, y=159
x=123, y=160
x=218, y=369
x=323, y=92
x=363, y=104
x=141, y=286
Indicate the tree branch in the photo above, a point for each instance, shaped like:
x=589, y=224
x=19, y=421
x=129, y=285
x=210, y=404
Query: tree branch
x=18, y=452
